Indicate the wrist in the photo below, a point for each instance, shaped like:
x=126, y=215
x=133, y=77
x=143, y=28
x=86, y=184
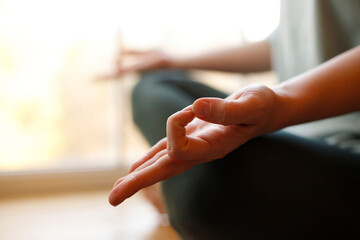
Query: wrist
x=282, y=111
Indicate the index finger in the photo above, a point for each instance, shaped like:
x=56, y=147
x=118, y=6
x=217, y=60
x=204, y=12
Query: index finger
x=160, y=170
x=159, y=146
x=176, y=131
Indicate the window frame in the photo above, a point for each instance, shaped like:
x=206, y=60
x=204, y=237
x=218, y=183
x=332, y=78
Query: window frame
x=59, y=180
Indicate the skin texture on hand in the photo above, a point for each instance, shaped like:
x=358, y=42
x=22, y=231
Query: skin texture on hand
x=212, y=127
x=207, y=130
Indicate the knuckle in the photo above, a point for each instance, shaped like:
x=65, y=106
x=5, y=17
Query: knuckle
x=117, y=182
x=175, y=153
x=133, y=180
x=220, y=112
x=228, y=113
x=162, y=164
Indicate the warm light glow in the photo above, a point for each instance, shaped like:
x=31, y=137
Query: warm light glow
x=50, y=51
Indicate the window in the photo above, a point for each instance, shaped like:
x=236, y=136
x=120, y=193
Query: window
x=52, y=113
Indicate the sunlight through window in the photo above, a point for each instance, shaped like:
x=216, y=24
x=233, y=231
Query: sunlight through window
x=52, y=114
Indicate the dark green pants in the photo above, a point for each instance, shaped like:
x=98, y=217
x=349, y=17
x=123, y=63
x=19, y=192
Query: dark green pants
x=276, y=186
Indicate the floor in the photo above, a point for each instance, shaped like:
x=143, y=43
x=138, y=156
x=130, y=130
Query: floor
x=81, y=216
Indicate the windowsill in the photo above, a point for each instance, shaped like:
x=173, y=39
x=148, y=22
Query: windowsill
x=60, y=180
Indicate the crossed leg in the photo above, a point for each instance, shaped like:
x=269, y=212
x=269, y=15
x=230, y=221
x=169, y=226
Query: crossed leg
x=275, y=186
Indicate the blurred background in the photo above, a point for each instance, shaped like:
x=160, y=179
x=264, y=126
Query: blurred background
x=64, y=139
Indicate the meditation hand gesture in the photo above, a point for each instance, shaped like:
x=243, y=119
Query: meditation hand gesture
x=145, y=61
x=207, y=130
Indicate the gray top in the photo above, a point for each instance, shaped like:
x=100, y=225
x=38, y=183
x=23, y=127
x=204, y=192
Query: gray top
x=311, y=32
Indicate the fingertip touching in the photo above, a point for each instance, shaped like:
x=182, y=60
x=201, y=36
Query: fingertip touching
x=201, y=108
x=176, y=123
x=217, y=110
x=176, y=130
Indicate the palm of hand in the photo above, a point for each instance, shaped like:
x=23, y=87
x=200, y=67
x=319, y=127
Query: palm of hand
x=191, y=141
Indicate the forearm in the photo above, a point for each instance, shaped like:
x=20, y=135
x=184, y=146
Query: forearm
x=255, y=57
x=330, y=89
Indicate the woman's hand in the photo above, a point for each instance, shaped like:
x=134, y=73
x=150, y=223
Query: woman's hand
x=208, y=130
x=212, y=127
x=145, y=61
x=253, y=57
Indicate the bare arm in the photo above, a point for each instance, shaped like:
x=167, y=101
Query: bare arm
x=331, y=89
x=213, y=127
x=254, y=57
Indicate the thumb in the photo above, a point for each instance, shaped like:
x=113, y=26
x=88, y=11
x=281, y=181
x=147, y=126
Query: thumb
x=221, y=111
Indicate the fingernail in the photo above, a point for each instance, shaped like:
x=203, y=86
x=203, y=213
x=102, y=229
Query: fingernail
x=202, y=109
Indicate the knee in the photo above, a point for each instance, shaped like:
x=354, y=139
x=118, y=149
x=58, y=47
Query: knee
x=215, y=200
x=154, y=89
x=147, y=113
x=201, y=204
x=144, y=93
x=219, y=199
x=147, y=97
x=281, y=190
x=154, y=99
